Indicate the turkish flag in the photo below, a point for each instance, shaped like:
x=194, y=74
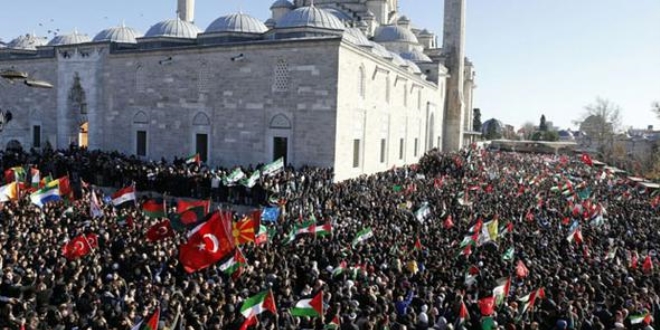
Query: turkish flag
x=76, y=248
x=449, y=223
x=208, y=242
x=587, y=160
x=521, y=269
x=487, y=306
x=160, y=231
x=93, y=240
x=647, y=266
x=633, y=262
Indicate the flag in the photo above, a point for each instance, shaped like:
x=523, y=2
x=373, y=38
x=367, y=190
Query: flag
x=76, y=248
x=270, y=214
x=508, y=254
x=234, y=177
x=15, y=174
x=487, y=306
x=587, y=160
x=490, y=231
x=125, y=220
x=245, y=229
x=307, y=227
x=637, y=319
x=634, y=261
x=233, y=266
x=160, y=231
x=124, y=195
x=92, y=240
x=44, y=181
x=262, y=235
x=647, y=266
x=501, y=291
x=423, y=212
x=462, y=314
x=252, y=320
x=257, y=304
x=45, y=195
x=35, y=177
x=312, y=307
x=152, y=323
x=190, y=213
x=449, y=223
x=252, y=180
x=529, y=300
x=63, y=185
x=418, y=245
x=154, y=208
x=183, y=205
x=397, y=188
x=362, y=236
x=94, y=206
x=521, y=269
x=339, y=269
x=207, y=243
x=273, y=167
x=334, y=323
x=9, y=192
x=193, y=159
x=323, y=230
x=576, y=235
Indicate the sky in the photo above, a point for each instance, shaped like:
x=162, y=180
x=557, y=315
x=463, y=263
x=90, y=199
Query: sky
x=532, y=57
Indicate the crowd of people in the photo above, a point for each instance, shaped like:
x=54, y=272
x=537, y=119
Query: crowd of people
x=574, y=244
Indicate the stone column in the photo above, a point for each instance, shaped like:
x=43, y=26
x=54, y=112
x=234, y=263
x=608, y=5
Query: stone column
x=453, y=45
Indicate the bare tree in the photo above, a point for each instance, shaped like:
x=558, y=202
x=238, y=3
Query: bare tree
x=600, y=121
x=655, y=107
x=528, y=129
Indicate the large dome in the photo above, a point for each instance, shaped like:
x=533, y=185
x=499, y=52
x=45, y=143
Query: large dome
x=416, y=56
x=120, y=34
x=394, y=33
x=310, y=17
x=173, y=28
x=27, y=41
x=237, y=23
x=70, y=39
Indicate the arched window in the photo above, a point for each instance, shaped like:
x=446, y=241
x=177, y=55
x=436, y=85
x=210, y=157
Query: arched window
x=281, y=77
x=140, y=118
x=201, y=119
x=139, y=79
x=203, y=78
x=362, y=79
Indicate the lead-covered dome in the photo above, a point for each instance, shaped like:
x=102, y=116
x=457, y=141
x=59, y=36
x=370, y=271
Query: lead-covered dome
x=416, y=56
x=282, y=4
x=356, y=37
x=394, y=33
x=120, y=34
x=27, y=41
x=237, y=23
x=173, y=28
x=310, y=17
x=70, y=39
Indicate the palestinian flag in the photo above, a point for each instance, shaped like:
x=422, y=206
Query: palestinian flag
x=152, y=323
x=312, y=307
x=501, y=291
x=257, y=304
x=154, y=208
x=340, y=269
x=334, y=324
x=35, y=178
x=323, y=230
x=362, y=236
x=576, y=235
x=15, y=174
x=125, y=221
x=306, y=228
x=462, y=314
x=193, y=159
x=640, y=318
x=521, y=269
x=234, y=265
x=262, y=235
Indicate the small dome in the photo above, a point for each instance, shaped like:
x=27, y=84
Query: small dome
x=397, y=60
x=237, y=23
x=270, y=23
x=28, y=41
x=70, y=39
x=120, y=34
x=282, y=4
x=393, y=33
x=379, y=50
x=356, y=37
x=310, y=17
x=413, y=67
x=416, y=56
x=425, y=33
x=173, y=28
x=403, y=19
x=343, y=16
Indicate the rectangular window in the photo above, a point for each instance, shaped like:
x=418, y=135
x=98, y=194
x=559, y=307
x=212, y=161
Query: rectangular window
x=36, y=136
x=415, y=147
x=356, y=153
x=400, y=149
x=141, y=143
x=382, y=150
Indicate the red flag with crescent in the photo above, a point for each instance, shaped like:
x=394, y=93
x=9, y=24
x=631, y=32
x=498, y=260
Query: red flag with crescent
x=160, y=231
x=76, y=248
x=208, y=242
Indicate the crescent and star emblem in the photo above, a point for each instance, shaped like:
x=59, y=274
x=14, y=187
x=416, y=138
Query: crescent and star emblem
x=78, y=246
x=214, y=240
x=162, y=230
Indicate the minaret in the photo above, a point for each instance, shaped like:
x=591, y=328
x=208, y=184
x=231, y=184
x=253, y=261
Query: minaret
x=186, y=10
x=453, y=48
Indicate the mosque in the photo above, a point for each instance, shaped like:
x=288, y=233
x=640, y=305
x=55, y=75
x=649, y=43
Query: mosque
x=348, y=84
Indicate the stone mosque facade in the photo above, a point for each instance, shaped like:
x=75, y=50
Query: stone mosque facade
x=348, y=84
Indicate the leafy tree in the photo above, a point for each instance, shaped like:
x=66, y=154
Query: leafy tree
x=543, y=126
x=476, y=121
x=491, y=131
x=551, y=136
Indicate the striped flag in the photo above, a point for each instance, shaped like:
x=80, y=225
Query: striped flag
x=312, y=307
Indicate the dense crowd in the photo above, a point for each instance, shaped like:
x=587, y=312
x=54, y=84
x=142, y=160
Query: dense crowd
x=576, y=243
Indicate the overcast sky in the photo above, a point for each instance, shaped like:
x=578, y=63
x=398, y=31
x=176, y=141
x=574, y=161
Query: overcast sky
x=532, y=57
